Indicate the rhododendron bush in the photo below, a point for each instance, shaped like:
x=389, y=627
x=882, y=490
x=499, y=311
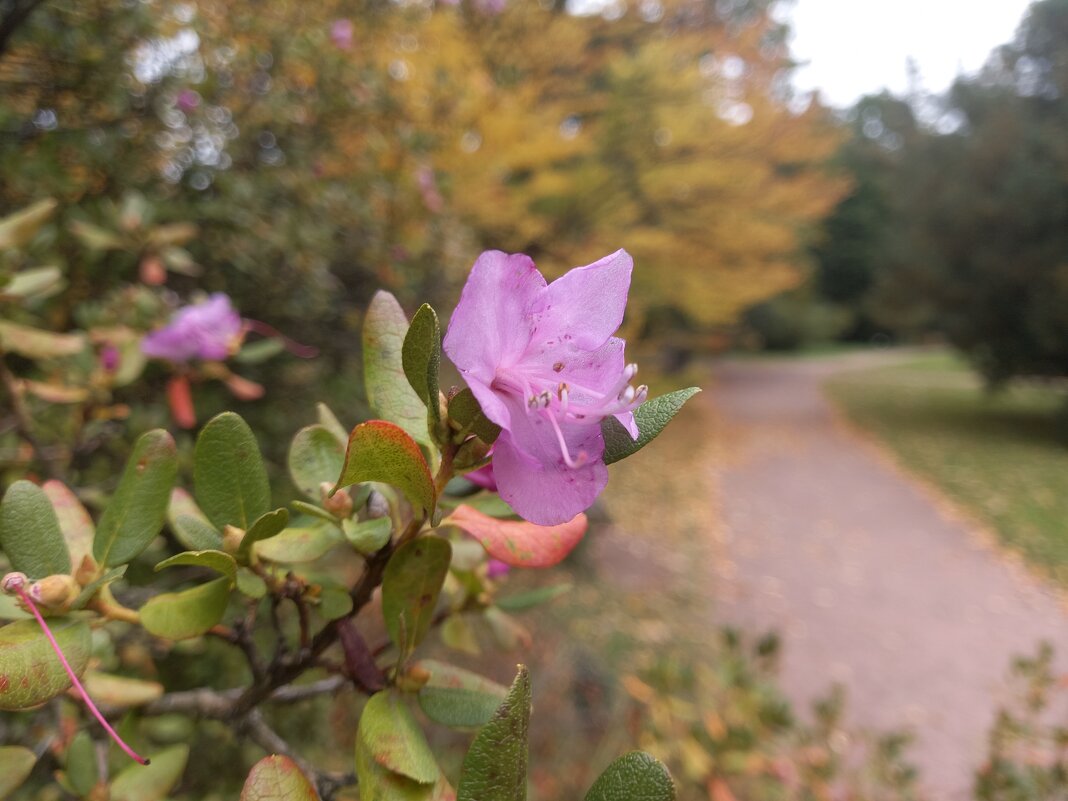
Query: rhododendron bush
x=403, y=525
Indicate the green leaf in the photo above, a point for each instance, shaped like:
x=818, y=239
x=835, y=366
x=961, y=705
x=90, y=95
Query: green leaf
x=18, y=230
x=297, y=545
x=230, y=481
x=526, y=600
x=30, y=534
x=378, y=784
x=458, y=634
x=35, y=343
x=315, y=457
x=329, y=421
x=74, y=521
x=465, y=410
x=249, y=584
x=495, y=768
x=636, y=776
x=151, y=782
x=388, y=391
x=218, y=561
x=121, y=691
x=32, y=282
x=457, y=697
x=189, y=613
x=30, y=671
x=488, y=503
x=651, y=418
x=381, y=451
x=264, y=528
x=277, y=778
x=135, y=513
x=411, y=584
x=314, y=511
x=83, y=771
x=394, y=739
x=421, y=358
x=334, y=602
x=16, y=763
x=190, y=525
x=261, y=351
x=90, y=589
x=368, y=536
x=94, y=237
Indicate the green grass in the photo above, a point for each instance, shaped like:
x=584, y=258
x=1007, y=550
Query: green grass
x=1002, y=456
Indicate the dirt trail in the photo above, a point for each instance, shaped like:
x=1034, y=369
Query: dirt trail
x=870, y=580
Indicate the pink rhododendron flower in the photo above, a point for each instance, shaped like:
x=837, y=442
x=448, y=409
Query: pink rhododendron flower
x=209, y=330
x=483, y=477
x=544, y=364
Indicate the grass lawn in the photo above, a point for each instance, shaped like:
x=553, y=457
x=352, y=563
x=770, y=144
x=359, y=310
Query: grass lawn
x=1001, y=456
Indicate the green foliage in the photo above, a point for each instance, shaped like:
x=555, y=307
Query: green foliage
x=495, y=768
x=30, y=534
x=381, y=451
x=151, y=782
x=393, y=738
x=421, y=358
x=410, y=587
x=229, y=477
x=33, y=673
x=83, y=771
x=189, y=613
x=15, y=765
x=315, y=457
x=136, y=511
x=456, y=697
x=277, y=777
x=633, y=777
x=651, y=418
x=388, y=390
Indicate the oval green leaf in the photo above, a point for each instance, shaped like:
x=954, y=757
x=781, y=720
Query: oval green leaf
x=465, y=410
x=34, y=281
x=30, y=534
x=651, y=418
x=381, y=451
x=457, y=697
x=495, y=768
x=411, y=584
x=121, y=691
x=394, y=739
x=151, y=782
x=229, y=479
x=191, y=526
x=35, y=343
x=368, y=536
x=19, y=228
x=421, y=358
x=298, y=545
x=83, y=770
x=263, y=528
x=636, y=776
x=277, y=778
x=30, y=671
x=315, y=457
x=219, y=561
x=135, y=513
x=16, y=763
x=388, y=390
x=189, y=613
x=74, y=521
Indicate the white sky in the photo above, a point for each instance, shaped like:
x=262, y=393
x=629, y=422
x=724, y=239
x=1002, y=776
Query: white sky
x=857, y=47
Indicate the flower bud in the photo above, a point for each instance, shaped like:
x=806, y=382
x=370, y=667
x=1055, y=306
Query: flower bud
x=377, y=505
x=232, y=537
x=13, y=582
x=86, y=571
x=55, y=592
x=413, y=679
x=339, y=504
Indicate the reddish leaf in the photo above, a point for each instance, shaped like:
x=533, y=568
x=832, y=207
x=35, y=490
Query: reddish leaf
x=274, y=778
x=381, y=451
x=519, y=543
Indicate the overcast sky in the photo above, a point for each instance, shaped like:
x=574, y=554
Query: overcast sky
x=856, y=47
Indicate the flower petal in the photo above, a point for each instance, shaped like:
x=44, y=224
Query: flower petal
x=533, y=477
x=586, y=304
x=492, y=323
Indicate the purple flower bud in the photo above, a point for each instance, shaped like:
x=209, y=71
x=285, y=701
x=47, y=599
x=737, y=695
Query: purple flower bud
x=109, y=358
x=495, y=568
x=210, y=330
x=342, y=34
x=187, y=100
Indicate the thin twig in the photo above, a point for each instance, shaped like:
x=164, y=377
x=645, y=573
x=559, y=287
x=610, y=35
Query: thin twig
x=269, y=740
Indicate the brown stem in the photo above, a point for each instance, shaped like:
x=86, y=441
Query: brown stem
x=24, y=420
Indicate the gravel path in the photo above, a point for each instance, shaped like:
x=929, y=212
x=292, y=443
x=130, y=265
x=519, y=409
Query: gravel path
x=869, y=577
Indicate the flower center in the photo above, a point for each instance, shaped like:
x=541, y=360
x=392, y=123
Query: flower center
x=565, y=402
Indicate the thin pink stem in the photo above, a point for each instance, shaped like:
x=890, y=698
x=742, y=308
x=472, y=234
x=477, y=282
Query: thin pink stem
x=77, y=684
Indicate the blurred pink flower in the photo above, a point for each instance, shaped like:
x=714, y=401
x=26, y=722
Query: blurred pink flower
x=428, y=188
x=544, y=364
x=187, y=100
x=342, y=34
x=210, y=330
x=495, y=568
